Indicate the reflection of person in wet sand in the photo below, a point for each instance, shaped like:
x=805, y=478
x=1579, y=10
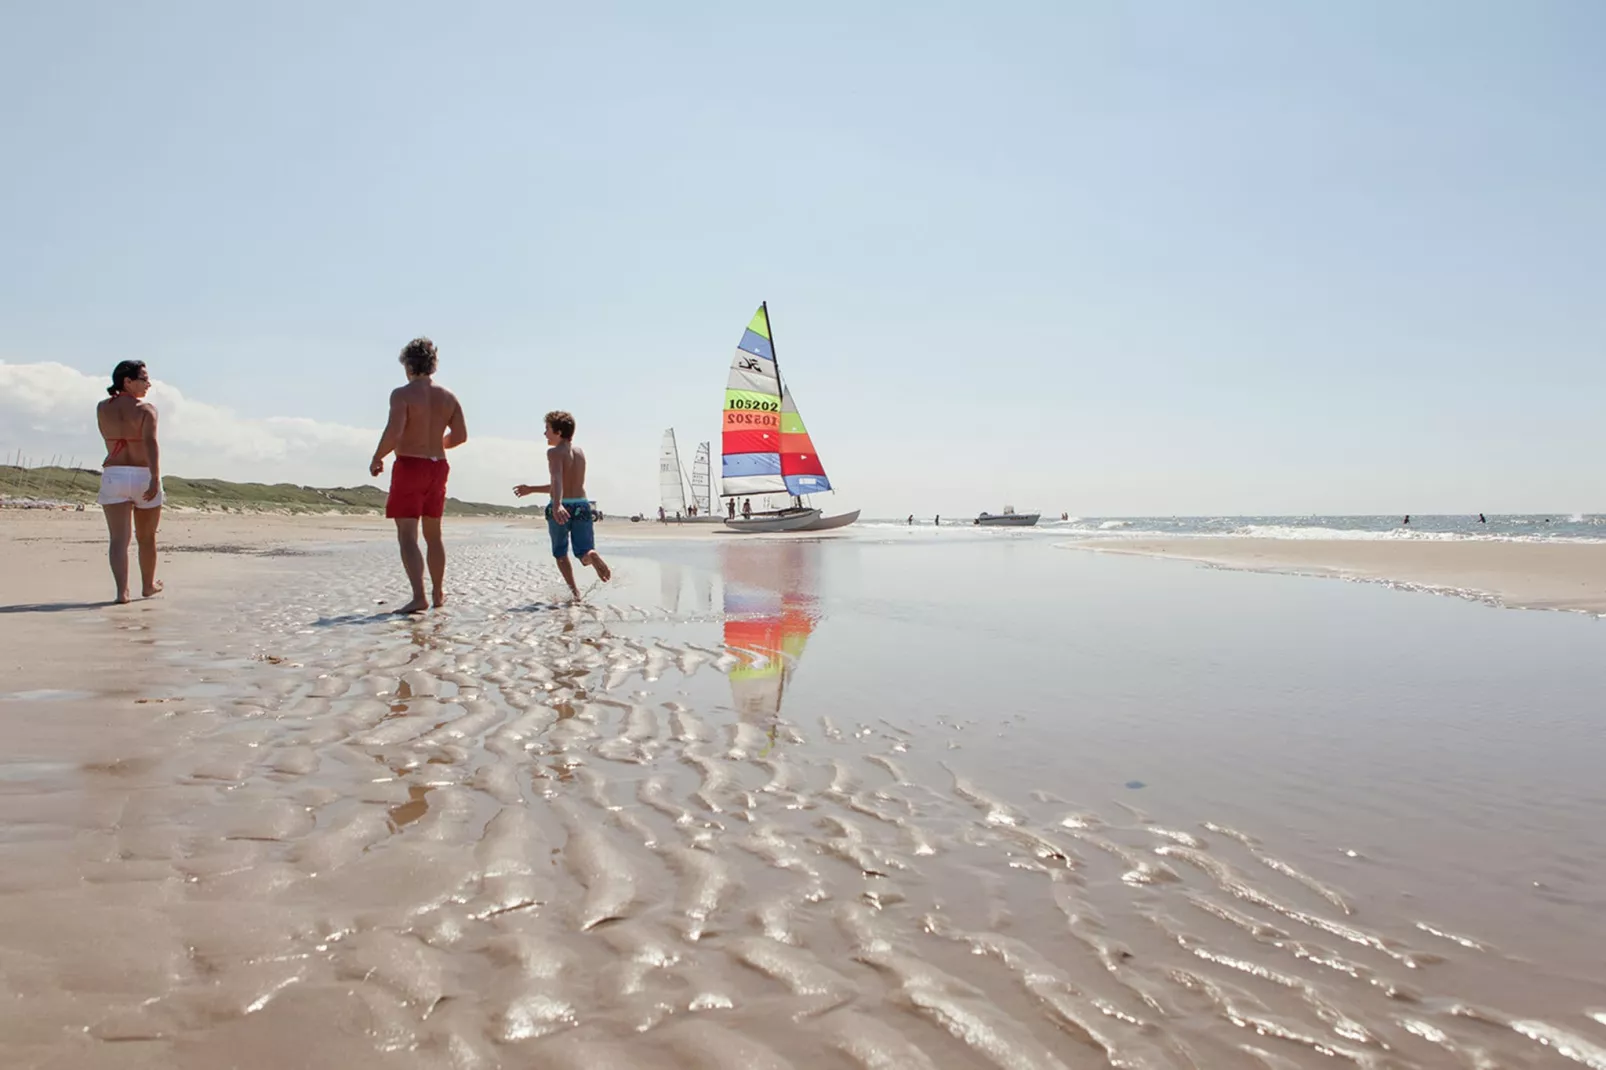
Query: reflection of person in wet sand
x=425, y=421
x=131, y=475
x=569, y=515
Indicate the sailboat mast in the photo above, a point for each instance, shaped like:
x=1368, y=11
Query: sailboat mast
x=775, y=355
x=774, y=352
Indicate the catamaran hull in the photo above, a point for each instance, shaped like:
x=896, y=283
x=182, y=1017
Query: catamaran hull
x=826, y=523
x=793, y=521
x=1009, y=520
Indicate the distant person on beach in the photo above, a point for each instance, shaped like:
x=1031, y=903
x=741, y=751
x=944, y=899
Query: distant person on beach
x=662, y=516
x=730, y=508
x=131, y=475
x=936, y=521
x=747, y=507
x=569, y=514
x=425, y=421
x=911, y=520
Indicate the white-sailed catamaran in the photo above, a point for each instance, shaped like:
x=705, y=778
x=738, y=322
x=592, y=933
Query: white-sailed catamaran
x=702, y=489
x=766, y=449
x=677, y=507
x=671, y=491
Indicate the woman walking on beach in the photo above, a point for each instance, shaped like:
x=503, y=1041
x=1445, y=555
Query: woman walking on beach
x=131, y=475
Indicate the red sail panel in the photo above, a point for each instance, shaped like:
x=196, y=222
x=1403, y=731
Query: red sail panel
x=761, y=636
x=749, y=442
x=798, y=457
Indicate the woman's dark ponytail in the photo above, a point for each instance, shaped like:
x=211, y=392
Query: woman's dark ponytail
x=125, y=370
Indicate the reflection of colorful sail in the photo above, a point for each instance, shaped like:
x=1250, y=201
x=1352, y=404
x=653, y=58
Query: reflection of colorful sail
x=765, y=447
x=770, y=610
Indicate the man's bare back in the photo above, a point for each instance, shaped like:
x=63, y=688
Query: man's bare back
x=427, y=412
x=425, y=421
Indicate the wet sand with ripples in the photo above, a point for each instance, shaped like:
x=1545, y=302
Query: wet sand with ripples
x=782, y=803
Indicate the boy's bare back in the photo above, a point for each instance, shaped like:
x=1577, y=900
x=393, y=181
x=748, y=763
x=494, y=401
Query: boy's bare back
x=428, y=411
x=567, y=464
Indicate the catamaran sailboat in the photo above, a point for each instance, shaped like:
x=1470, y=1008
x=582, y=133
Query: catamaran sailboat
x=765, y=447
x=672, y=499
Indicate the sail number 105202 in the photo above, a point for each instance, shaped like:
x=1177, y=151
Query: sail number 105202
x=753, y=405
x=752, y=419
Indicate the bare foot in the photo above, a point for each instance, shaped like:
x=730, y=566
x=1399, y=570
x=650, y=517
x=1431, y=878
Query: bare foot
x=594, y=559
x=438, y=598
x=152, y=591
x=123, y=599
x=417, y=605
x=575, y=591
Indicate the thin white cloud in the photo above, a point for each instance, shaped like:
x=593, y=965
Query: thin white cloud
x=47, y=411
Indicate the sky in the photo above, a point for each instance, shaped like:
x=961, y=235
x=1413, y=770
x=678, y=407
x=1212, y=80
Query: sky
x=1104, y=258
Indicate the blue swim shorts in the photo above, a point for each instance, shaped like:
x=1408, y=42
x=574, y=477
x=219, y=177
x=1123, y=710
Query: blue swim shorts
x=578, y=529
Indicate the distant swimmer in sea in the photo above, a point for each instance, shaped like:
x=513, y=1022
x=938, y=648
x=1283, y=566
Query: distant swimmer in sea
x=1065, y=516
x=131, y=476
x=425, y=421
x=1407, y=520
x=936, y=521
x=911, y=520
x=1481, y=520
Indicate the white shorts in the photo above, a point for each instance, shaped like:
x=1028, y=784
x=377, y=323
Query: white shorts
x=121, y=483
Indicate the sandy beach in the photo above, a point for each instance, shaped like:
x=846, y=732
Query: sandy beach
x=767, y=803
x=1520, y=575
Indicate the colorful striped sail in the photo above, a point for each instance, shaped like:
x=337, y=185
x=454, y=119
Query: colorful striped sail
x=800, y=465
x=765, y=447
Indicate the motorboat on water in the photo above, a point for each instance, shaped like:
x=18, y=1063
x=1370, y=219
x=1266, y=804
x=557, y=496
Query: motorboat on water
x=1008, y=519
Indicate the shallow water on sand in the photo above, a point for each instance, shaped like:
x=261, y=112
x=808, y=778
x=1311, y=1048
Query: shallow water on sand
x=825, y=804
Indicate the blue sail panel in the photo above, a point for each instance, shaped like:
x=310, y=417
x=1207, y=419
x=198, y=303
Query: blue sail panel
x=807, y=485
x=756, y=344
x=751, y=464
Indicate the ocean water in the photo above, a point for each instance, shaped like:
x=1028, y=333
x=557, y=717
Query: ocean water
x=846, y=803
x=1524, y=528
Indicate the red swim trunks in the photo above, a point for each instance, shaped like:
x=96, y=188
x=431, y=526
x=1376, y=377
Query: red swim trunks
x=417, y=488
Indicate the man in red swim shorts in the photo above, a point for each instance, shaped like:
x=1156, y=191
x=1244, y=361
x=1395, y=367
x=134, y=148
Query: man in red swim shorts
x=425, y=421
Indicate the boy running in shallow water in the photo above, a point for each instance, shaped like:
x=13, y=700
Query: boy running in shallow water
x=569, y=514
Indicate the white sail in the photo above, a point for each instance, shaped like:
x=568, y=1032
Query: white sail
x=702, y=491
x=671, y=491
